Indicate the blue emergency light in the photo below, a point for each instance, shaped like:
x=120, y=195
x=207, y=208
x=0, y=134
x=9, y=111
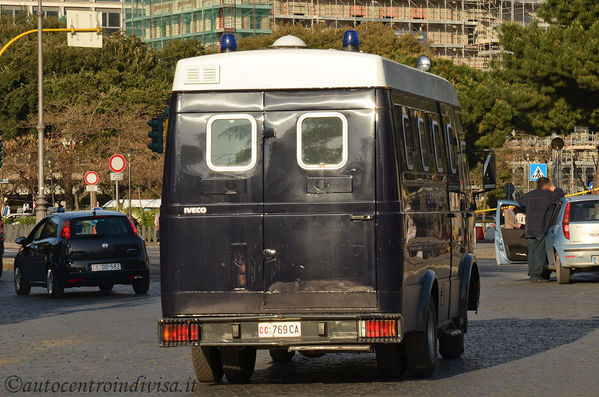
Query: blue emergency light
x=350, y=41
x=228, y=43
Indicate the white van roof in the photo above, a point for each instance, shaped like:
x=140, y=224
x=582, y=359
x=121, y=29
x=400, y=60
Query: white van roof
x=281, y=69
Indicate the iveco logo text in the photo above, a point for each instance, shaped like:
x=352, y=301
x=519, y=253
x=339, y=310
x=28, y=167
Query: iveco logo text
x=194, y=210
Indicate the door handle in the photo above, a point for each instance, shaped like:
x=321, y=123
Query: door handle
x=361, y=217
x=268, y=133
x=269, y=252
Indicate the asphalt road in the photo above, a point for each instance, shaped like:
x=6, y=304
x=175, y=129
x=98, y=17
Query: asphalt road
x=526, y=340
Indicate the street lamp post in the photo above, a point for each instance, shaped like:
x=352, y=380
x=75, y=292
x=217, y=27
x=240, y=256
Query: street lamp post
x=129, y=155
x=40, y=200
x=50, y=161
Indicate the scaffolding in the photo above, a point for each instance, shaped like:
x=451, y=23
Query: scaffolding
x=158, y=21
x=466, y=31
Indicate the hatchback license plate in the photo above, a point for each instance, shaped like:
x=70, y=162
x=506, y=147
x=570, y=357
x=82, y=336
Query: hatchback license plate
x=100, y=267
x=280, y=329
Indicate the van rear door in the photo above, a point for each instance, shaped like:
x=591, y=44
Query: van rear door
x=319, y=201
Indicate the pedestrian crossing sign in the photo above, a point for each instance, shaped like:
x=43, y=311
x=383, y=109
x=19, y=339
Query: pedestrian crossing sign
x=537, y=171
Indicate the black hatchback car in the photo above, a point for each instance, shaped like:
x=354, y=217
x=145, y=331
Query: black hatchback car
x=82, y=248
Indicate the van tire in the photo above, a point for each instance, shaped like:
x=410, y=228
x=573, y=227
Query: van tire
x=563, y=273
x=421, y=346
x=238, y=363
x=390, y=360
x=21, y=286
x=281, y=355
x=451, y=346
x=206, y=364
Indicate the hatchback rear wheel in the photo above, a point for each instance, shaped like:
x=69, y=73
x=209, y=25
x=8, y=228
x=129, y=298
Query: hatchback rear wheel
x=563, y=273
x=53, y=286
x=142, y=285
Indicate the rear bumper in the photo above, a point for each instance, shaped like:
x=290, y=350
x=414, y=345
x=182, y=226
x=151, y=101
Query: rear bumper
x=578, y=257
x=78, y=274
x=242, y=330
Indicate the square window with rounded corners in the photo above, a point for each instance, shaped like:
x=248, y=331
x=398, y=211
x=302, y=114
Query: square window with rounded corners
x=231, y=142
x=322, y=141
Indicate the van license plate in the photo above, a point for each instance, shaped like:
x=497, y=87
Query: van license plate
x=289, y=329
x=101, y=267
x=596, y=260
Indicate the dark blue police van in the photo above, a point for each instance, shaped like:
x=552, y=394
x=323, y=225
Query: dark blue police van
x=314, y=201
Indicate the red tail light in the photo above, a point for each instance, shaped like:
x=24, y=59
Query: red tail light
x=132, y=225
x=66, y=230
x=380, y=328
x=566, y=222
x=179, y=332
x=1, y=226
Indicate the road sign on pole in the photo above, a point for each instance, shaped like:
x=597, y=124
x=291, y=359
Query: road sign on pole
x=537, y=171
x=91, y=178
x=84, y=19
x=117, y=163
x=116, y=176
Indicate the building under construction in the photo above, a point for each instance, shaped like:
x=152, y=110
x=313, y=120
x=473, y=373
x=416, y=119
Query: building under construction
x=466, y=31
x=158, y=21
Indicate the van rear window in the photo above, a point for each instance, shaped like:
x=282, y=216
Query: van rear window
x=100, y=227
x=322, y=140
x=584, y=211
x=231, y=143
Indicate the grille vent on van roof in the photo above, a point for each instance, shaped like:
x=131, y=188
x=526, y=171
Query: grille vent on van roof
x=207, y=74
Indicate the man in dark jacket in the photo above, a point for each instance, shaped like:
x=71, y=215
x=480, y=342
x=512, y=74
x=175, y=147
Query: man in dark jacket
x=538, y=205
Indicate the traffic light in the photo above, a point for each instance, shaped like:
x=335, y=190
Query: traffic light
x=156, y=134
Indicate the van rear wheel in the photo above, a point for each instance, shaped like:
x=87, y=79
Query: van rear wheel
x=421, y=346
x=238, y=363
x=451, y=346
x=280, y=355
x=206, y=364
x=390, y=359
x=563, y=273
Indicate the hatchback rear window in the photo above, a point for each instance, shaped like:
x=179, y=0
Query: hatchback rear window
x=100, y=227
x=584, y=211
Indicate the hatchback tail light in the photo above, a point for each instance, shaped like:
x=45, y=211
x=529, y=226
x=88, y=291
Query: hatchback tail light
x=66, y=230
x=132, y=225
x=566, y=222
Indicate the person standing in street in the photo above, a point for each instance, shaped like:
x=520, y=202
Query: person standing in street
x=538, y=205
x=157, y=226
